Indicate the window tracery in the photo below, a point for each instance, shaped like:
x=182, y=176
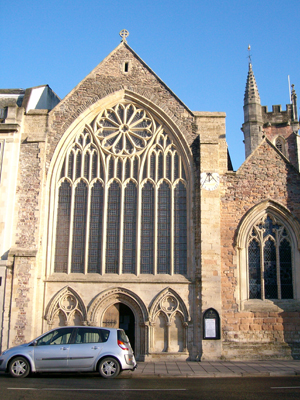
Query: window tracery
x=168, y=320
x=270, y=260
x=66, y=308
x=122, y=198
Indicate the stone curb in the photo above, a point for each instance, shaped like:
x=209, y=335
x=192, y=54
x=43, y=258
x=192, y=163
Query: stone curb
x=133, y=375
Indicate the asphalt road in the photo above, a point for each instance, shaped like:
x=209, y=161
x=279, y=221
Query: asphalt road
x=91, y=386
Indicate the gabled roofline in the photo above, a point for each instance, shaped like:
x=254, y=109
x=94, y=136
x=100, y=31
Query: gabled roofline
x=142, y=62
x=265, y=139
x=158, y=78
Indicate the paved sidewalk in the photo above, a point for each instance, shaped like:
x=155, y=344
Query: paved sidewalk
x=210, y=369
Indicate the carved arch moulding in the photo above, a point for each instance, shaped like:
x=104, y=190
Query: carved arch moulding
x=117, y=295
x=67, y=306
x=109, y=297
x=288, y=225
x=168, y=320
x=169, y=303
x=258, y=211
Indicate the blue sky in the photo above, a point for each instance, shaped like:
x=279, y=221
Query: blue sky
x=198, y=48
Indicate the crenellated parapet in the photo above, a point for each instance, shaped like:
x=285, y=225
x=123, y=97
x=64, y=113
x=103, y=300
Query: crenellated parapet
x=277, y=116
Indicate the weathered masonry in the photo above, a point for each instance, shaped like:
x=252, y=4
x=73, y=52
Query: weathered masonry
x=119, y=207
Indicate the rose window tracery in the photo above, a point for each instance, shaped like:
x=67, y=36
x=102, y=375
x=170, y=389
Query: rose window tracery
x=124, y=129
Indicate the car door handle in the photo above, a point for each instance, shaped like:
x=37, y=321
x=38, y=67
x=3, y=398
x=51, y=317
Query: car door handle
x=95, y=348
x=63, y=348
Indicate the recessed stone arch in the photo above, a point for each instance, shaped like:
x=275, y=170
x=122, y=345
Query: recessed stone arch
x=109, y=297
x=67, y=307
x=279, y=213
x=169, y=320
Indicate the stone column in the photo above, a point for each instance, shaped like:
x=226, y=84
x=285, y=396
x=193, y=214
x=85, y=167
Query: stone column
x=168, y=324
x=213, y=163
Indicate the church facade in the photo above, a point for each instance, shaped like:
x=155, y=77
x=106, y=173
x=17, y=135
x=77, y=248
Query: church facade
x=120, y=208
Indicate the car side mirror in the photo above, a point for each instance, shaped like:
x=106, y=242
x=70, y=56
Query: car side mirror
x=34, y=343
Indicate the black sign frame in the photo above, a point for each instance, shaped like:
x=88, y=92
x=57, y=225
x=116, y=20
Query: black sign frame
x=211, y=325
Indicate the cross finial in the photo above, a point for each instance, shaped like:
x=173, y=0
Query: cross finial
x=124, y=34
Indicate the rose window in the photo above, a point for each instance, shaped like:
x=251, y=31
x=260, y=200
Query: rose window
x=124, y=129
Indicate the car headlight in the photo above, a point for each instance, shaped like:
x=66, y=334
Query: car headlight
x=2, y=354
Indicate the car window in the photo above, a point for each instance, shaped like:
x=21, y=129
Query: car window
x=122, y=336
x=91, y=335
x=57, y=336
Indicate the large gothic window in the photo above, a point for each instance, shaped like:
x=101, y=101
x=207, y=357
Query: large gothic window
x=270, y=261
x=121, y=205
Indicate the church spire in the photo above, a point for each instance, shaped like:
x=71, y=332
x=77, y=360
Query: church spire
x=251, y=92
x=253, y=123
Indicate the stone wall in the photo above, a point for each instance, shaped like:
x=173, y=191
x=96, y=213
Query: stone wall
x=109, y=77
x=264, y=175
x=286, y=132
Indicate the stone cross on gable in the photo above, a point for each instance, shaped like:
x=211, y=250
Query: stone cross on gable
x=124, y=34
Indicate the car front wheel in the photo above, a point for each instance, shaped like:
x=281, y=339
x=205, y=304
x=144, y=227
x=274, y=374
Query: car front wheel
x=19, y=367
x=109, y=367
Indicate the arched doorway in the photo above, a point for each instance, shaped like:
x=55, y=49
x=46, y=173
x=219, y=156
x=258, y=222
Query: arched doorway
x=119, y=315
x=105, y=310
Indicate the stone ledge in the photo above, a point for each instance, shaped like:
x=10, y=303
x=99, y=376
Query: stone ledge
x=271, y=305
x=109, y=278
x=19, y=252
x=9, y=127
x=215, y=114
x=38, y=112
x=35, y=138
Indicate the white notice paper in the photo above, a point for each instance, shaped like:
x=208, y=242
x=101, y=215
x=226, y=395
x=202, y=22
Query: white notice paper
x=210, y=328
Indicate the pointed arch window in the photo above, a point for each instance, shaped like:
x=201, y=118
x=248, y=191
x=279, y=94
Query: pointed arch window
x=280, y=144
x=95, y=229
x=63, y=227
x=113, y=228
x=122, y=205
x=129, y=240
x=147, y=229
x=79, y=228
x=164, y=229
x=270, y=260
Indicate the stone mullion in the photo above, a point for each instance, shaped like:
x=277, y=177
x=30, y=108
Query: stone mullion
x=74, y=164
x=90, y=164
x=172, y=232
x=155, y=230
x=87, y=232
x=278, y=265
x=185, y=327
x=172, y=166
x=104, y=221
x=164, y=165
x=138, y=230
x=52, y=255
x=262, y=270
x=122, y=200
x=151, y=336
x=168, y=325
x=156, y=165
x=71, y=227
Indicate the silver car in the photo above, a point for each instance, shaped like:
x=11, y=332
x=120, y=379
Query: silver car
x=72, y=348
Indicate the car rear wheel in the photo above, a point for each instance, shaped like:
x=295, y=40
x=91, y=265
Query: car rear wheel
x=109, y=367
x=19, y=367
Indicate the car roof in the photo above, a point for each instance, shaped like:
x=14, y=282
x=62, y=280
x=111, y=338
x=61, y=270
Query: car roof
x=82, y=326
